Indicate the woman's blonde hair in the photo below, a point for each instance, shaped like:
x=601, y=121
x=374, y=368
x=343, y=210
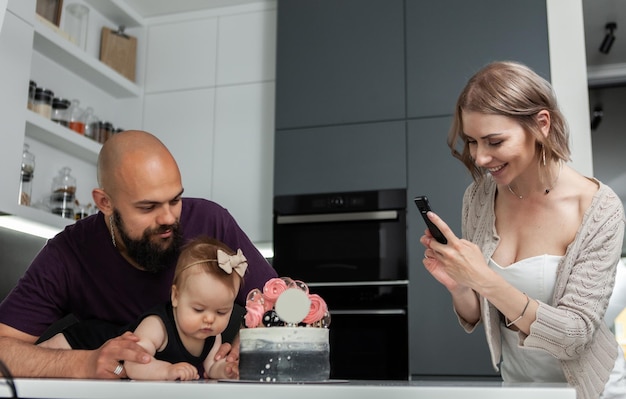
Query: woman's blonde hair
x=510, y=89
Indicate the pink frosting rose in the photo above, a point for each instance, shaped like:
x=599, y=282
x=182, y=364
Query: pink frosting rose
x=254, y=314
x=272, y=289
x=317, y=311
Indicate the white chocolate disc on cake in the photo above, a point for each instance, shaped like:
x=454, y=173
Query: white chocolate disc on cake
x=292, y=305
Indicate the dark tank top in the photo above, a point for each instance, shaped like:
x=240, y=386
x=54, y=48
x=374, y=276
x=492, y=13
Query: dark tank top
x=175, y=351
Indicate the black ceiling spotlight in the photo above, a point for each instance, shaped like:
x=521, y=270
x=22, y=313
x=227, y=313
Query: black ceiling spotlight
x=609, y=37
x=596, y=117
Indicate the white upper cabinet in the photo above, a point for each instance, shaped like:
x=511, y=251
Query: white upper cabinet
x=243, y=162
x=211, y=102
x=183, y=121
x=246, y=48
x=181, y=55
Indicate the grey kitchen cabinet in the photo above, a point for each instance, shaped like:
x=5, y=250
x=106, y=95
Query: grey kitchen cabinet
x=448, y=40
x=356, y=157
x=437, y=343
x=339, y=62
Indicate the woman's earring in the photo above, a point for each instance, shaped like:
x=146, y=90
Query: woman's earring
x=543, y=154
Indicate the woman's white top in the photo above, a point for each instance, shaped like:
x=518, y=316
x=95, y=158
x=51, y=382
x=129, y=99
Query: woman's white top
x=536, y=277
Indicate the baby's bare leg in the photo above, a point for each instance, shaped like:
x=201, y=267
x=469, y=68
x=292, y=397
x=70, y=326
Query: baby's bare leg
x=56, y=342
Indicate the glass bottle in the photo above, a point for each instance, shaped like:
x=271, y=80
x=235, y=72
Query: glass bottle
x=63, y=191
x=76, y=23
x=26, y=176
x=91, y=124
x=77, y=124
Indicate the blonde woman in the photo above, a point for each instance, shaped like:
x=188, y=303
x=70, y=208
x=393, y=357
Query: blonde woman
x=540, y=244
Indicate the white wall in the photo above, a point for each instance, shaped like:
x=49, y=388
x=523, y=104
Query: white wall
x=568, y=67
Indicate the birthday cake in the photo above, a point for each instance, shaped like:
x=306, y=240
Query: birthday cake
x=286, y=334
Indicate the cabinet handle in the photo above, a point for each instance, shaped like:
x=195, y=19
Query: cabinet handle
x=375, y=312
x=338, y=217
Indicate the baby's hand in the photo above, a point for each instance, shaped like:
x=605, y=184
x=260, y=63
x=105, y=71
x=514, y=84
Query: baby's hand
x=231, y=370
x=182, y=371
x=223, y=370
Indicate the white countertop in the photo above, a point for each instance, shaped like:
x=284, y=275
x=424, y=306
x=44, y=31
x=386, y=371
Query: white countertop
x=102, y=389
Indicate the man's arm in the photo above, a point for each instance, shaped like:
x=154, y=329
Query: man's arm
x=24, y=359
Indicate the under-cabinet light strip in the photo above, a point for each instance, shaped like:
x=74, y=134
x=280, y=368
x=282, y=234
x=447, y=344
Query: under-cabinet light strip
x=29, y=227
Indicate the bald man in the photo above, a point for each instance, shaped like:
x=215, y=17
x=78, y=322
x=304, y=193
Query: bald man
x=116, y=264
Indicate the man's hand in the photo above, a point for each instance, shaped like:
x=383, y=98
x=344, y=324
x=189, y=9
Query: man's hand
x=228, y=351
x=105, y=360
x=231, y=369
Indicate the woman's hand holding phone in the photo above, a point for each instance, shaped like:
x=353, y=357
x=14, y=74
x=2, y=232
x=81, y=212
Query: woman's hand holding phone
x=424, y=207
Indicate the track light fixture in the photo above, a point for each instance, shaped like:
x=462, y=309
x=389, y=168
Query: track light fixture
x=609, y=37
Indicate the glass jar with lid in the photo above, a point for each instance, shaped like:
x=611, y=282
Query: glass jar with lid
x=42, y=102
x=32, y=86
x=63, y=192
x=106, y=131
x=60, y=111
x=26, y=176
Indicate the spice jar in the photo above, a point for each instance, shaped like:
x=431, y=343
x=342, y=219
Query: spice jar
x=77, y=123
x=81, y=211
x=106, y=131
x=63, y=191
x=42, y=103
x=26, y=176
x=60, y=111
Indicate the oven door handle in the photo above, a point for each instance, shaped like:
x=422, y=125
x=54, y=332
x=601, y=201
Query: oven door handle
x=338, y=217
x=376, y=312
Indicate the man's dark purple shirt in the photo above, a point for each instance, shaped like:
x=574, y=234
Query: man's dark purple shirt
x=80, y=272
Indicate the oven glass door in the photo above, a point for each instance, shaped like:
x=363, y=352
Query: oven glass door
x=367, y=246
x=369, y=345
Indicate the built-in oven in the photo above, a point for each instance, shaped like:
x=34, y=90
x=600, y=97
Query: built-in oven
x=350, y=248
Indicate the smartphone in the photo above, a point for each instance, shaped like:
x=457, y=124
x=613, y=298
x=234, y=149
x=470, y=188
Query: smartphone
x=424, y=207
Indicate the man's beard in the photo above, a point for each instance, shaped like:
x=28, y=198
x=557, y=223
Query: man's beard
x=152, y=257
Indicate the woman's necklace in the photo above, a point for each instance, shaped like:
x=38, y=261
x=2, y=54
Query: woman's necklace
x=548, y=189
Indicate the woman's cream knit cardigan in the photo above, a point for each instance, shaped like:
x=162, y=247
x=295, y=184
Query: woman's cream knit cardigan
x=571, y=328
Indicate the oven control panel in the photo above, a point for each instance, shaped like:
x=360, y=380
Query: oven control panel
x=358, y=201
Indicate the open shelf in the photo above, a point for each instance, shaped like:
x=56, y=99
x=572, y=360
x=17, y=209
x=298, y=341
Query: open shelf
x=62, y=138
x=53, y=46
x=42, y=216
